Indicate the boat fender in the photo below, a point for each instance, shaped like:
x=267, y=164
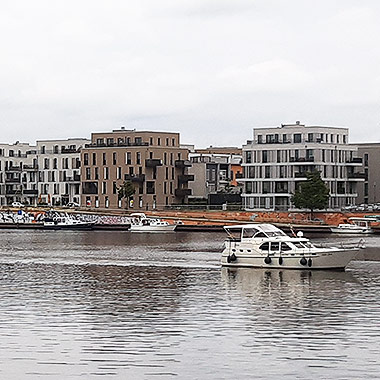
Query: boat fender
x=303, y=261
x=280, y=260
x=267, y=260
x=309, y=262
x=228, y=259
x=233, y=257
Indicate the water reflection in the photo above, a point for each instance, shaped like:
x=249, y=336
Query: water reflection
x=122, y=306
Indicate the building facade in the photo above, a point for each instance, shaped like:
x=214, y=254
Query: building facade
x=59, y=171
x=153, y=161
x=215, y=172
x=18, y=173
x=277, y=158
x=369, y=190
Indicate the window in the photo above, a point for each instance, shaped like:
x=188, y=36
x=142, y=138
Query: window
x=85, y=159
x=248, y=157
x=167, y=141
x=104, y=187
x=93, y=158
x=259, y=139
x=128, y=158
x=285, y=247
x=275, y=246
x=138, y=158
x=118, y=173
x=46, y=163
x=264, y=156
x=159, y=141
x=88, y=173
x=264, y=247
x=96, y=176
x=297, y=137
x=104, y=159
x=114, y=158
x=310, y=137
x=249, y=232
x=106, y=173
x=114, y=188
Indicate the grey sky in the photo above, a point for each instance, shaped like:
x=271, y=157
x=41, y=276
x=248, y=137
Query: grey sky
x=210, y=69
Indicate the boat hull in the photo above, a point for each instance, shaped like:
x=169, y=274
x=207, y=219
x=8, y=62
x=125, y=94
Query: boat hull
x=337, y=260
x=84, y=226
x=169, y=228
x=353, y=231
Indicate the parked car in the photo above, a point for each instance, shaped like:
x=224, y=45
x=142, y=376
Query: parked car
x=17, y=204
x=72, y=204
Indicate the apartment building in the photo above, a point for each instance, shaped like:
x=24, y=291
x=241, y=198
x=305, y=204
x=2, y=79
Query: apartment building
x=369, y=190
x=215, y=171
x=154, y=162
x=277, y=158
x=59, y=170
x=18, y=173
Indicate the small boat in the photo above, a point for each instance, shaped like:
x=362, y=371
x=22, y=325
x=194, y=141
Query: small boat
x=266, y=246
x=357, y=226
x=67, y=222
x=141, y=223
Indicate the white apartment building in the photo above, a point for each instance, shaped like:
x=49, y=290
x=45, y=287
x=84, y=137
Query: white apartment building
x=18, y=173
x=59, y=171
x=277, y=158
x=48, y=173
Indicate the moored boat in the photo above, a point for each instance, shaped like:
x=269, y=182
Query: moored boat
x=141, y=223
x=66, y=221
x=357, y=226
x=266, y=246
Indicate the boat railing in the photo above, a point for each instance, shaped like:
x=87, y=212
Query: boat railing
x=343, y=245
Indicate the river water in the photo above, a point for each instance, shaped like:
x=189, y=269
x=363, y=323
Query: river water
x=117, y=305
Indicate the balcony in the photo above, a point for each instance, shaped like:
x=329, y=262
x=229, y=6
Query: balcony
x=152, y=162
x=69, y=150
x=182, y=164
x=182, y=192
x=13, y=169
x=300, y=175
x=185, y=178
x=30, y=167
x=356, y=176
x=134, y=177
x=355, y=160
x=75, y=178
x=302, y=159
x=13, y=180
x=116, y=144
x=30, y=192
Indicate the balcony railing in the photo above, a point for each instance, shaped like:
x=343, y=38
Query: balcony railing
x=30, y=192
x=116, y=144
x=13, y=180
x=182, y=163
x=355, y=160
x=185, y=178
x=13, y=169
x=356, y=175
x=30, y=167
x=152, y=162
x=182, y=192
x=134, y=177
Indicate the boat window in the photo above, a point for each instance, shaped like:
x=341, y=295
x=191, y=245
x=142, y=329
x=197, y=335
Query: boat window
x=275, y=246
x=234, y=234
x=298, y=244
x=249, y=232
x=308, y=244
x=264, y=246
x=260, y=235
x=285, y=247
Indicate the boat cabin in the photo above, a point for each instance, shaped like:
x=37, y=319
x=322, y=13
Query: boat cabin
x=252, y=231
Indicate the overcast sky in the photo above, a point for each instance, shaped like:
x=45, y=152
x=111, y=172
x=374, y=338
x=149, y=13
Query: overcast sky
x=210, y=69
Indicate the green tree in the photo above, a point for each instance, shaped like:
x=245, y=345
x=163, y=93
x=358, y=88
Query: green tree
x=312, y=194
x=125, y=191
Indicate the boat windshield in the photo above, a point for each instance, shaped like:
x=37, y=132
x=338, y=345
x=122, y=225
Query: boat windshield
x=234, y=233
x=271, y=230
x=298, y=244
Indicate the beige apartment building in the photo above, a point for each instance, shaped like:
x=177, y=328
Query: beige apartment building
x=154, y=162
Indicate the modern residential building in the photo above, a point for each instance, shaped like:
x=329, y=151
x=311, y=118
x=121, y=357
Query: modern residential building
x=215, y=172
x=59, y=170
x=369, y=190
x=18, y=174
x=277, y=158
x=154, y=162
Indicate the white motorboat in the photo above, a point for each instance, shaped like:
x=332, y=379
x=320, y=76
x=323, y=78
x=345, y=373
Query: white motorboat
x=141, y=223
x=266, y=246
x=66, y=221
x=357, y=226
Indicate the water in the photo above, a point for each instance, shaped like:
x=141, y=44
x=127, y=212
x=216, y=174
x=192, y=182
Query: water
x=135, y=306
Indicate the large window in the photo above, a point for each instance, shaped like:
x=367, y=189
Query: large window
x=297, y=137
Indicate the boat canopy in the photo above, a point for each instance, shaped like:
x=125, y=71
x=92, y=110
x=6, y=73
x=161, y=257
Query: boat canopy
x=248, y=231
